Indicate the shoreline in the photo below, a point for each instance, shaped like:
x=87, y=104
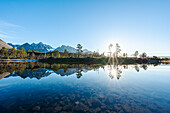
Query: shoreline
x=165, y=61
x=102, y=60
x=18, y=60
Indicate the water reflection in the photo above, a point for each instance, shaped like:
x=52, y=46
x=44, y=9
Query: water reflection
x=39, y=70
x=93, y=92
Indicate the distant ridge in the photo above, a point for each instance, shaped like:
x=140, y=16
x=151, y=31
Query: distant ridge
x=68, y=48
x=39, y=47
x=72, y=49
x=47, y=48
x=4, y=44
x=164, y=56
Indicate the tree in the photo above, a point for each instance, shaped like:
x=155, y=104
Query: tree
x=18, y=53
x=48, y=55
x=13, y=52
x=79, y=74
x=52, y=54
x=72, y=55
x=32, y=55
x=137, y=68
x=102, y=55
x=65, y=53
x=96, y=54
x=75, y=55
x=41, y=55
x=23, y=52
x=93, y=54
x=4, y=52
x=144, y=66
x=143, y=55
x=110, y=51
x=56, y=53
x=136, y=53
x=155, y=57
x=124, y=54
x=79, y=49
x=117, y=51
x=29, y=50
x=45, y=55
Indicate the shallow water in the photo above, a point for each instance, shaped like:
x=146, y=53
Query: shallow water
x=84, y=88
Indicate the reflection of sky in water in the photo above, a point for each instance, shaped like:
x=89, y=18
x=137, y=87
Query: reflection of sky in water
x=143, y=91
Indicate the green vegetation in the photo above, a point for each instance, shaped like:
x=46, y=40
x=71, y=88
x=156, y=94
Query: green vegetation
x=20, y=67
x=79, y=50
x=79, y=57
x=88, y=60
x=33, y=54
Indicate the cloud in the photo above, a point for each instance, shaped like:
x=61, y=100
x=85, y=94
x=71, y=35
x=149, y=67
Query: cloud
x=6, y=24
x=9, y=30
x=5, y=35
x=3, y=32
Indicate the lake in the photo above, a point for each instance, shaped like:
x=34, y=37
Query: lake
x=41, y=87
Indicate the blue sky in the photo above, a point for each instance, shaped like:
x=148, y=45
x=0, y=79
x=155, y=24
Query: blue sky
x=141, y=25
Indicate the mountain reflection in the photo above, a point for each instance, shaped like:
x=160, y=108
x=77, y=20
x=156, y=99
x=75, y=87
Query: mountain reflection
x=39, y=70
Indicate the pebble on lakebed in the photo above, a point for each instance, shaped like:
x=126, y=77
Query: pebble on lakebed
x=37, y=108
x=77, y=102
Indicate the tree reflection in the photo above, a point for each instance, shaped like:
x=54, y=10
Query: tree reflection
x=144, y=66
x=117, y=69
x=114, y=71
x=136, y=68
x=79, y=74
x=79, y=71
x=39, y=70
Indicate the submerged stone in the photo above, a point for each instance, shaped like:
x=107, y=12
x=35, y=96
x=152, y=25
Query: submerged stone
x=77, y=102
x=36, y=108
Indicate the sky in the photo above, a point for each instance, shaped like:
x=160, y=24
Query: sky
x=142, y=25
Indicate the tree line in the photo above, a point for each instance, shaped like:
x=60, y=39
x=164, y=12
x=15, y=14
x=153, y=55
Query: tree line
x=33, y=54
x=117, y=53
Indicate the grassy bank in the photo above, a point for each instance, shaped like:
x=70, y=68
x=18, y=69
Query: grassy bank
x=102, y=60
x=75, y=60
x=89, y=60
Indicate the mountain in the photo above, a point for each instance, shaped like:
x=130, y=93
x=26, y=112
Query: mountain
x=164, y=56
x=72, y=49
x=4, y=44
x=15, y=46
x=68, y=48
x=68, y=72
x=39, y=47
x=47, y=48
x=85, y=51
x=38, y=74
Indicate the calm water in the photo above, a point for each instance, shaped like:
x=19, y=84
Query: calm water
x=35, y=87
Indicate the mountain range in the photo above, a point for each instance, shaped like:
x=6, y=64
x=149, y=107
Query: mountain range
x=39, y=46
x=47, y=48
x=68, y=48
